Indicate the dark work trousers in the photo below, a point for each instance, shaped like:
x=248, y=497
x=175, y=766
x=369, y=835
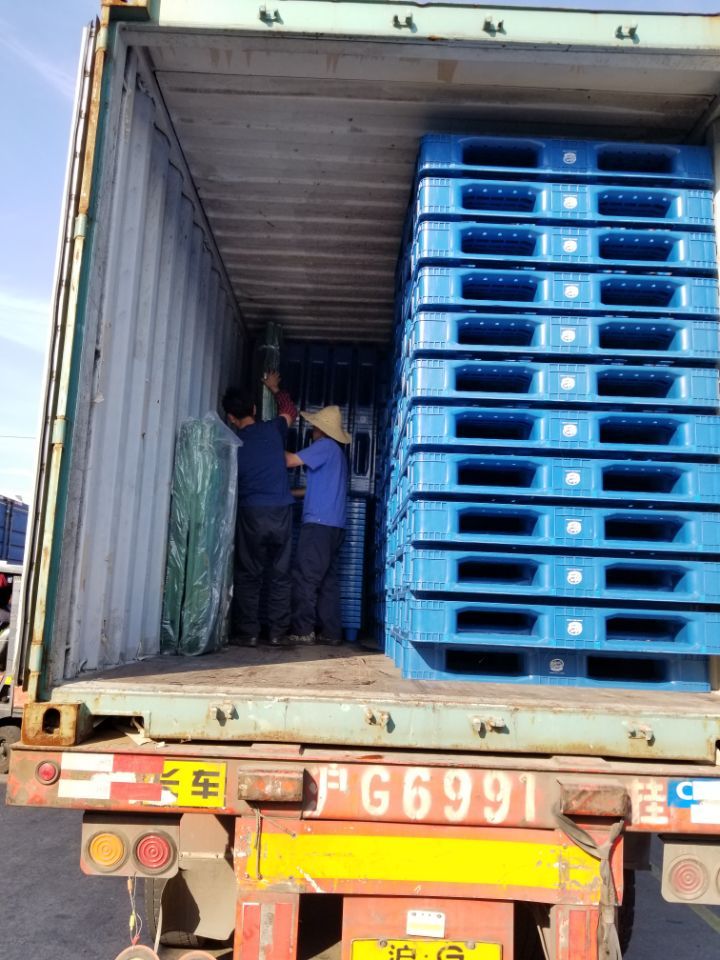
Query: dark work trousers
x=316, y=585
x=263, y=544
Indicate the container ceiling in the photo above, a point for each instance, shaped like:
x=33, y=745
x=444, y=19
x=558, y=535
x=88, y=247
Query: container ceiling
x=303, y=150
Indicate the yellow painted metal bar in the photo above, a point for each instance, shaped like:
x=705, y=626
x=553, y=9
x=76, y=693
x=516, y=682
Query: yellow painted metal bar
x=446, y=860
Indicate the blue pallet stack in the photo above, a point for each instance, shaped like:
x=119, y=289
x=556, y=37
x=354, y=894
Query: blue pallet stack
x=549, y=460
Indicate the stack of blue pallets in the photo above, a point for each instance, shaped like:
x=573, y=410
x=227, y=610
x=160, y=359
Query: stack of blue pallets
x=549, y=462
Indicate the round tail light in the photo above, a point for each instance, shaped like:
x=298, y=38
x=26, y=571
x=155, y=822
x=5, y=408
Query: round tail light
x=47, y=772
x=154, y=852
x=107, y=851
x=688, y=878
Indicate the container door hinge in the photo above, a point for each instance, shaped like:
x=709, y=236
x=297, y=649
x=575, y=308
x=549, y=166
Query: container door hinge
x=35, y=658
x=80, y=228
x=58, y=431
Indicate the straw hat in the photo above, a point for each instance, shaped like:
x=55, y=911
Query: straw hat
x=329, y=420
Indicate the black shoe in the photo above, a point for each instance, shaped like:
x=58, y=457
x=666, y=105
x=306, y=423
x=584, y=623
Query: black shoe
x=237, y=640
x=279, y=642
x=303, y=639
x=327, y=642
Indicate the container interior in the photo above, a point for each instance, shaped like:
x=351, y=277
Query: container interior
x=247, y=178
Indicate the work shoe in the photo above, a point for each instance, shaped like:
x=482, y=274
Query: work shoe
x=327, y=642
x=283, y=641
x=236, y=640
x=303, y=640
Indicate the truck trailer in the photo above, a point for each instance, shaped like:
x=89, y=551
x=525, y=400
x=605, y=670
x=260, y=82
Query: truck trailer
x=233, y=164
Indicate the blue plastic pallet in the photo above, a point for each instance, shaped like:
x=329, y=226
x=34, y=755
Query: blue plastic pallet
x=636, y=630
x=594, y=578
x=458, y=288
x=430, y=523
x=444, y=198
x=449, y=380
x=551, y=337
x=542, y=432
x=552, y=667
x=362, y=456
x=528, y=157
x=561, y=248
x=530, y=478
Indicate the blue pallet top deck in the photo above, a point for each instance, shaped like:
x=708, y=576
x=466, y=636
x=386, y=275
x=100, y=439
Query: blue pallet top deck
x=551, y=667
x=458, y=288
x=450, y=198
x=552, y=338
x=451, y=380
x=519, y=576
x=544, y=432
x=561, y=248
x=525, y=479
x=527, y=624
x=531, y=526
x=539, y=157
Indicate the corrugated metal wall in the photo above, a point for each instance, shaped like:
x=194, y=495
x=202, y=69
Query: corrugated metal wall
x=167, y=343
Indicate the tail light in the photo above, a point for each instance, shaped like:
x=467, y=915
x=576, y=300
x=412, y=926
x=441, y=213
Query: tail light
x=107, y=851
x=154, y=852
x=130, y=845
x=691, y=871
x=688, y=878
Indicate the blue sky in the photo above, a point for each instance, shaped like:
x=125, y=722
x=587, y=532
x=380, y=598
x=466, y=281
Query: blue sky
x=38, y=59
x=39, y=47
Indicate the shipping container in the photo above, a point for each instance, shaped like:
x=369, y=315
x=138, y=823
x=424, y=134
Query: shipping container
x=234, y=164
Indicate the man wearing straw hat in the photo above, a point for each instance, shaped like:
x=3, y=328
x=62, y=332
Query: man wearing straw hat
x=316, y=588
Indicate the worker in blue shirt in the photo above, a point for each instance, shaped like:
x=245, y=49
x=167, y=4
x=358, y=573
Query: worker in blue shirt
x=263, y=531
x=316, y=587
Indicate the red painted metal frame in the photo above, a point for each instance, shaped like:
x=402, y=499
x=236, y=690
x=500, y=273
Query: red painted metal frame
x=378, y=789
x=386, y=918
x=267, y=927
x=574, y=933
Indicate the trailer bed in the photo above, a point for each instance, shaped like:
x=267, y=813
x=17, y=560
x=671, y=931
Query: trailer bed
x=359, y=699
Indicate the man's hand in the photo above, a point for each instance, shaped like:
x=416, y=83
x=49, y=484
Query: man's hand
x=292, y=460
x=271, y=379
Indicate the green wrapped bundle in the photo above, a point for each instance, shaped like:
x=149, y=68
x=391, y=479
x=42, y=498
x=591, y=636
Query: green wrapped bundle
x=201, y=538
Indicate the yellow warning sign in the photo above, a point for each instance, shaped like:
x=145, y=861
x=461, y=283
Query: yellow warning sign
x=195, y=783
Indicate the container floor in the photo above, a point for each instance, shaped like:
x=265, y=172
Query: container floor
x=352, y=672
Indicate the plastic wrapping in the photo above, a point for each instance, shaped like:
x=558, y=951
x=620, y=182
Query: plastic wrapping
x=201, y=537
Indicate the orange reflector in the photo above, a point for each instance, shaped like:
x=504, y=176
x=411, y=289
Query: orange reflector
x=107, y=851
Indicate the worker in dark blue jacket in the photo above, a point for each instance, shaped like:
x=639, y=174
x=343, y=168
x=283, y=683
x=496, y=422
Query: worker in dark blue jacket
x=263, y=534
x=316, y=587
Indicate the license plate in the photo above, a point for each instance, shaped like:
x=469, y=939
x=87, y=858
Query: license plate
x=425, y=950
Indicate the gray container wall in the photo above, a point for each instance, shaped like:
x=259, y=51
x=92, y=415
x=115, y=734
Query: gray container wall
x=162, y=342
